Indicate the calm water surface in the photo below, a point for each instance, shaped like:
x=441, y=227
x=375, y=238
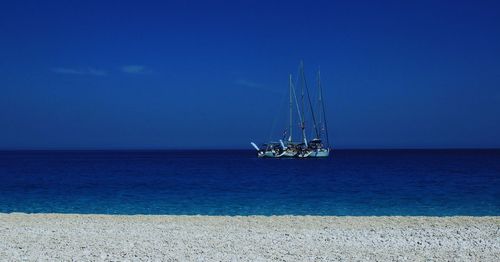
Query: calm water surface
x=358, y=182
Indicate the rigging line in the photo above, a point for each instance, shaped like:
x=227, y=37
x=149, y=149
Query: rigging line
x=296, y=102
x=324, y=115
x=318, y=104
x=279, y=113
x=300, y=109
x=311, y=132
x=290, y=123
x=299, y=80
x=310, y=104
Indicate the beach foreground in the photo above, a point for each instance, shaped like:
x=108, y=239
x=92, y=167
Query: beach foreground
x=284, y=238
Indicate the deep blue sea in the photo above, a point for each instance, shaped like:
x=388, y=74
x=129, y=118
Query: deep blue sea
x=350, y=182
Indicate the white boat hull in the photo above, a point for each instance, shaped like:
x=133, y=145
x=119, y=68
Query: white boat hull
x=320, y=153
x=289, y=154
x=323, y=152
x=270, y=154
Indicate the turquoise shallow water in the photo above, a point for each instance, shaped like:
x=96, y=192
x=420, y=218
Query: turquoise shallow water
x=357, y=182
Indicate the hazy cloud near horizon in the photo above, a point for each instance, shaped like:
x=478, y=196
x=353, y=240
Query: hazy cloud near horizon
x=134, y=69
x=129, y=69
x=244, y=82
x=73, y=71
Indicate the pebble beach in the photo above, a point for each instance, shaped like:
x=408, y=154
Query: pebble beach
x=48, y=237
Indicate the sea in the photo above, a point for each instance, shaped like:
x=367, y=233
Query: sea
x=236, y=182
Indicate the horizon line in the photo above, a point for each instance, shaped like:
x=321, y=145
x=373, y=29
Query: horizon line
x=239, y=149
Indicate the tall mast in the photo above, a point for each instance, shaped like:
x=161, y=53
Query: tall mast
x=290, y=127
x=303, y=124
x=320, y=122
x=322, y=104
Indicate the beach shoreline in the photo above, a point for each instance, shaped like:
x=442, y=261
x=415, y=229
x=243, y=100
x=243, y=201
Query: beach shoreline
x=248, y=238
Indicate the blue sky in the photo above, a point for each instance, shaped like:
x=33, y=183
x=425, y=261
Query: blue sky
x=156, y=74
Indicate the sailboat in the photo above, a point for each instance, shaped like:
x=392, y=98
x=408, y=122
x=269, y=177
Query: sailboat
x=289, y=148
x=304, y=148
